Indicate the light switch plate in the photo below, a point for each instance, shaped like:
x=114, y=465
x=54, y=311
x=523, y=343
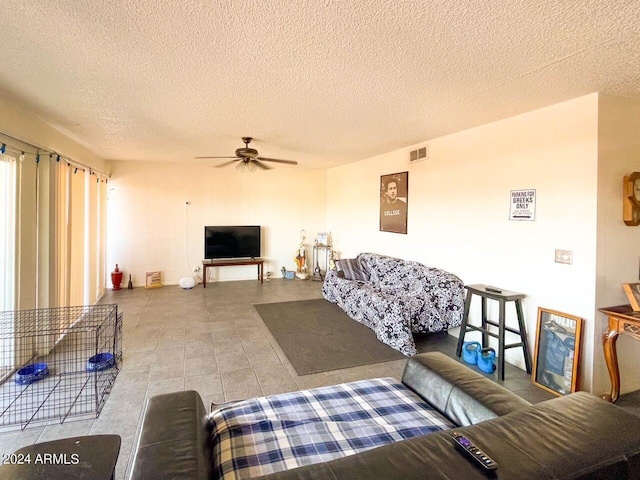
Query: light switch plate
x=564, y=256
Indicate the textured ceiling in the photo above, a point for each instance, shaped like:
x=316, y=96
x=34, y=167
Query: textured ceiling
x=322, y=82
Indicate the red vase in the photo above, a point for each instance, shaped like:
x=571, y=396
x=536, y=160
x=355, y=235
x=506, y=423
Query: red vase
x=116, y=278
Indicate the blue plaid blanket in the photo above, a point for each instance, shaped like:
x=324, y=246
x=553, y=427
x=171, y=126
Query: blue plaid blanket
x=280, y=432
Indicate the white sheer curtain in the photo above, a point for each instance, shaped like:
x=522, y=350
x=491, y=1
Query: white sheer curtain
x=8, y=233
x=8, y=237
x=52, y=228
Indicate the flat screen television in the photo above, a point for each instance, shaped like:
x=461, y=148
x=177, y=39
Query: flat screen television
x=231, y=242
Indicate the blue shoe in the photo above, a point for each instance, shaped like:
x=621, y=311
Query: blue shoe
x=487, y=360
x=470, y=352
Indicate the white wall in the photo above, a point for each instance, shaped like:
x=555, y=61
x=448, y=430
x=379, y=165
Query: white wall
x=151, y=228
x=459, y=208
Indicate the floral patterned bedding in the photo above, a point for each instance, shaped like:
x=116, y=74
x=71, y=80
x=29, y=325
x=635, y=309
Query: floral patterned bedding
x=399, y=298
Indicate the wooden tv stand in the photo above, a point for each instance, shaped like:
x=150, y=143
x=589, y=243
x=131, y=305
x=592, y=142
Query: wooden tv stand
x=232, y=262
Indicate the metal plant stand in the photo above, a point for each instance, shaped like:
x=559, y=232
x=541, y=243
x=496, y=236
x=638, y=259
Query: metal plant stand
x=317, y=271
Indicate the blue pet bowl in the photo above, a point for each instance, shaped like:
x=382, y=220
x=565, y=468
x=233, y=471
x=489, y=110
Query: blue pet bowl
x=31, y=373
x=101, y=361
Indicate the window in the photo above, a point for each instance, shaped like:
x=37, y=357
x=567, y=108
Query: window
x=52, y=224
x=7, y=232
x=8, y=237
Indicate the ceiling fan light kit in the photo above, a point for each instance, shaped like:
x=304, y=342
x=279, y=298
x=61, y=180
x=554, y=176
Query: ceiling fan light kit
x=244, y=167
x=248, y=159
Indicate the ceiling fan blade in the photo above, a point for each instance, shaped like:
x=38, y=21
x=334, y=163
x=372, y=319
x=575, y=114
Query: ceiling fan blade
x=288, y=162
x=261, y=165
x=226, y=163
x=213, y=157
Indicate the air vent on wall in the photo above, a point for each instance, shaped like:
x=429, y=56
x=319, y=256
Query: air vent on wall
x=421, y=153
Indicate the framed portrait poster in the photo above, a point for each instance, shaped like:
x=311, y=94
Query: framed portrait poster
x=633, y=294
x=394, y=192
x=557, y=352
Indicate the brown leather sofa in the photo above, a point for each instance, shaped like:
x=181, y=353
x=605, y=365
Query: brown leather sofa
x=578, y=436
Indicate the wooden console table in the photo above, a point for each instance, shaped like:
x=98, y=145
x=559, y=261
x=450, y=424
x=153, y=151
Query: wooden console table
x=622, y=319
x=232, y=262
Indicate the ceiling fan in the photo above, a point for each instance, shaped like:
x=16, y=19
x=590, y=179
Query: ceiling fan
x=249, y=159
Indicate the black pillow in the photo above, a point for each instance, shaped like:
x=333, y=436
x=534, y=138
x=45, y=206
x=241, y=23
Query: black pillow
x=351, y=269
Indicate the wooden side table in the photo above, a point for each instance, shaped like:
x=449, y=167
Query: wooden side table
x=91, y=456
x=486, y=292
x=622, y=319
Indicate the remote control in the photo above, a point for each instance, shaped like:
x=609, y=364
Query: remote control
x=493, y=289
x=474, y=452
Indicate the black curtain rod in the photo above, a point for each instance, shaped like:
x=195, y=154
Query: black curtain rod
x=41, y=151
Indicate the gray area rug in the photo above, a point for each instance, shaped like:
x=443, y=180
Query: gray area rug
x=317, y=336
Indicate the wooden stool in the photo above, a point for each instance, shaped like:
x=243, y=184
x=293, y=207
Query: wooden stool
x=502, y=297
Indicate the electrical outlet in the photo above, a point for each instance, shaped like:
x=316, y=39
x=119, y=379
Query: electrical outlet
x=196, y=269
x=564, y=256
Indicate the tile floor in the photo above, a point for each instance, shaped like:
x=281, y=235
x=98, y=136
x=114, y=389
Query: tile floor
x=211, y=340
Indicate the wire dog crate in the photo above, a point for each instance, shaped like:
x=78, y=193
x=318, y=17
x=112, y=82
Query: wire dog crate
x=57, y=362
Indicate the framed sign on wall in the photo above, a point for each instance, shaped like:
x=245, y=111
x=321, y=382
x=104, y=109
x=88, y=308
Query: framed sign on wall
x=394, y=193
x=522, y=206
x=557, y=352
